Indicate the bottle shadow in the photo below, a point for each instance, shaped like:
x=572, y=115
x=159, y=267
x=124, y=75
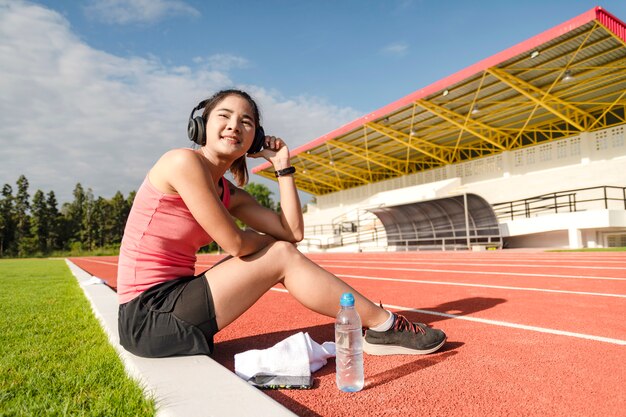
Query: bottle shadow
x=411, y=367
x=448, y=350
x=373, y=381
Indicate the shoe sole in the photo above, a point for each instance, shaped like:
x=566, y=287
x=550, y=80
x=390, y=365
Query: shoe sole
x=380, y=350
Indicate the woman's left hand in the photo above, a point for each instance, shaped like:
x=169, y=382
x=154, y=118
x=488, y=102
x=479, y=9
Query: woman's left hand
x=275, y=151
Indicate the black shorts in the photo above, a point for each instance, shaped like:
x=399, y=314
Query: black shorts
x=173, y=318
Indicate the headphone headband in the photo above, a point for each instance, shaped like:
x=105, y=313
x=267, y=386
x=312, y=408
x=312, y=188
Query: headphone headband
x=196, y=130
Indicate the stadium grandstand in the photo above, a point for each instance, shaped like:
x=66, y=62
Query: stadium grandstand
x=526, y=148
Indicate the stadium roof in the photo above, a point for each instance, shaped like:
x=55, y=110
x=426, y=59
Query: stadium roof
x=564, y=81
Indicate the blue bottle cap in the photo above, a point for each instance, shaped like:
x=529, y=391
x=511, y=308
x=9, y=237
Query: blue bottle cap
x=347, y=300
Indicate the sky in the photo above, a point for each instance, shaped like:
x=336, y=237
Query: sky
x=95, y=91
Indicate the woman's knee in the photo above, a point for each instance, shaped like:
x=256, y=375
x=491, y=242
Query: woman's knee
x=282, y=251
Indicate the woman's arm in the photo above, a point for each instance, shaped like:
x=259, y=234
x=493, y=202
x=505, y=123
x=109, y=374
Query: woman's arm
x=281, y=226
x=182, y=171
x=289, y=224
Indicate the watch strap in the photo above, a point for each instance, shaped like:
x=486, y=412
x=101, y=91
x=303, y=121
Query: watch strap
x=285, y=171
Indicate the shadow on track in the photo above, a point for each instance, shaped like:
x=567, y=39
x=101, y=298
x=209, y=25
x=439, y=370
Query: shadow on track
x=462, y=307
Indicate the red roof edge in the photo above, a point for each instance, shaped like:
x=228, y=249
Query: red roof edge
x=612, y=23
x=597, y=13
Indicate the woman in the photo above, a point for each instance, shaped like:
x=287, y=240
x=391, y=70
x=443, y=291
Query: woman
x=185, y=203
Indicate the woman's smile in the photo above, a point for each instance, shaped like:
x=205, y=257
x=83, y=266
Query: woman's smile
x=231, y=139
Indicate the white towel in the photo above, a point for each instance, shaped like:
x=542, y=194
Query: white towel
x=94, y=280
x=297, y=355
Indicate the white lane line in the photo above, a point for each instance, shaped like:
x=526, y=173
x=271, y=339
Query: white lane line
x=470, y=261
x=479, y=320
x=515, y=325
x=99, y=262
x=462, y=284
x=459, y=283
x=456, y=271
x=449, y=262
x=502, y=323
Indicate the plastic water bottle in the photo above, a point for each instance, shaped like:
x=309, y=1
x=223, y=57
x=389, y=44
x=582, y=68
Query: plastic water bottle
x=349, y=346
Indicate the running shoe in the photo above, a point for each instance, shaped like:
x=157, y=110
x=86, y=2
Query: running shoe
x=403, y=338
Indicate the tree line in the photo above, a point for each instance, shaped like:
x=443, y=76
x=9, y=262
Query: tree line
x=38, y=227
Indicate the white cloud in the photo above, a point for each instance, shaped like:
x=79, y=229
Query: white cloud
x=396, y=49
x=223, y=62
x=70, y=113
x=299, y=119
x=124, y=12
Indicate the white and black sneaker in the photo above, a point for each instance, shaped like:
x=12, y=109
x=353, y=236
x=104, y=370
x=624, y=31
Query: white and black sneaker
x=403, y=338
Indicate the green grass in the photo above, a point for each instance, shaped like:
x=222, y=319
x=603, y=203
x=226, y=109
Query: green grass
x=55, y=359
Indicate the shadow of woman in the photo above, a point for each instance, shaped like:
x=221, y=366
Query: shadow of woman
x=450, y=309
x=226, y=349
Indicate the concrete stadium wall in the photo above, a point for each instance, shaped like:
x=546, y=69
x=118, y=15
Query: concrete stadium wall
x=585, y=160
x=582, y=161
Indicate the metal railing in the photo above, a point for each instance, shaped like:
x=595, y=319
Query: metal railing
x=368, y=233
x=569, y=201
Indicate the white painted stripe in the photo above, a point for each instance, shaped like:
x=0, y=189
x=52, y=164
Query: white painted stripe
x=99, y=262
x=479, y=320
x=453, y=262
x=515, y=325
x=620, y=264
x=463, y=284
x=502, y=323
x=456, y=271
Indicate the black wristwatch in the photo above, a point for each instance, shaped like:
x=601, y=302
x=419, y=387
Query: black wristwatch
x=286, y=171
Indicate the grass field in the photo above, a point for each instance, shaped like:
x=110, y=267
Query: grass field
x=54, y=357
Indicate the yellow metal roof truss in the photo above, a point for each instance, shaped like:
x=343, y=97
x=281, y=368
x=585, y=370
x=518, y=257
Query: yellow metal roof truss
x=547, y=88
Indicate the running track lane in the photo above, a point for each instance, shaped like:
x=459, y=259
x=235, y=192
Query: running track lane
x=527, y=336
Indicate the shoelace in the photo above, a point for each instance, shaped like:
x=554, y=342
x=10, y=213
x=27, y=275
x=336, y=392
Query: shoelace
x=402, y=324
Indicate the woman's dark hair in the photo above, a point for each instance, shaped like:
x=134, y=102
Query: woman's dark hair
x=239, y=168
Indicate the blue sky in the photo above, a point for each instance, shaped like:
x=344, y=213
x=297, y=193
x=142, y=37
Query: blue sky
x=95, y=91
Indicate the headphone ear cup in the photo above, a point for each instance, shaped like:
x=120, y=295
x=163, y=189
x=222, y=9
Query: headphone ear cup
x=259, y=139
x=195, y=130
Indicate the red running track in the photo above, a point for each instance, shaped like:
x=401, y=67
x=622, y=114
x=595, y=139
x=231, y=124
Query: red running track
x=529, y=334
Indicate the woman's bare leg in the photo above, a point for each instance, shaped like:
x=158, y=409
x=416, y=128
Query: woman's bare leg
x=237, y=283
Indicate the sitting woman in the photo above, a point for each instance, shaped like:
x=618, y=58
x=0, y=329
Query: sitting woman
x=185, y=203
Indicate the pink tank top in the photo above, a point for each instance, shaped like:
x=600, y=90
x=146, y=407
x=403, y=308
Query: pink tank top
x=160, y=241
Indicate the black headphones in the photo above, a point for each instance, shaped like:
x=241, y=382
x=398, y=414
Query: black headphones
x=196, y=133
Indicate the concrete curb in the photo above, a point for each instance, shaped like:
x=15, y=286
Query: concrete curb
x=182, y=386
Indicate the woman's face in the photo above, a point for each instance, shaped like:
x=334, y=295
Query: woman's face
x=230, y=126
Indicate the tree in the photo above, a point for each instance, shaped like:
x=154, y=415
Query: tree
x=37, y=227
x=40, y=222
x=7, y=220
x=262, y=194
x=74, y=213
x=89, y=221
x=100, y=216
x=22, y=219
x=54, y=223
x=116, y=221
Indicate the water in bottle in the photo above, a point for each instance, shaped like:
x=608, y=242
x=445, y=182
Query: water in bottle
x=349, y=345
